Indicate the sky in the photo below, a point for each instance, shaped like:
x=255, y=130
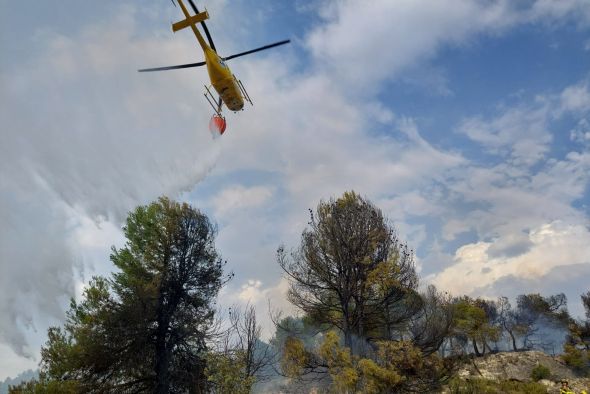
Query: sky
x=467, y=122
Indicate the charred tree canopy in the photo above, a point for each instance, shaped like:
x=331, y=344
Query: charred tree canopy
x=353, y=273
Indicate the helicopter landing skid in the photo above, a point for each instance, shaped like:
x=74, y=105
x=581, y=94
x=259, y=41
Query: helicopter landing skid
x=211, y=99
x=245, y=94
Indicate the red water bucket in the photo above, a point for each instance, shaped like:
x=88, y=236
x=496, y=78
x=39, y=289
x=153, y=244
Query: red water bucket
x=217, y=125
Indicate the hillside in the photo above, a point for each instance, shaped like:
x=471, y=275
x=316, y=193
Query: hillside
x=517, y=366
x=24, y=376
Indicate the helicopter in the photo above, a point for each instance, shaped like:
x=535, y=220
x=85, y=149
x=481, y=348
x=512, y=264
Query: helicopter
x=230, y=90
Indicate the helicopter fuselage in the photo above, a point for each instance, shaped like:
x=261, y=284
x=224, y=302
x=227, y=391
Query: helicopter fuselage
x=222, y=79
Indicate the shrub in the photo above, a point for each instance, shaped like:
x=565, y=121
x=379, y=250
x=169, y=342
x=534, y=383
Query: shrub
x=576, y=358
x=540, y=372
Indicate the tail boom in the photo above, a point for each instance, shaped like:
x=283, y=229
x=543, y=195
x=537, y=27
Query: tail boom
x=190, y=21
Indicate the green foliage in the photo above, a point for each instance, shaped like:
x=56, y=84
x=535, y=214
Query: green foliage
x=574, y=357
x=576, y=350
x=472, y=322
x=540, y=372
x=469, y=318
x=553, y=308
x=145, y=328
x=340, y=363
x=395, y=366
x=295, y=357
x=46, y=386
x=486, y=386
x=227, y=375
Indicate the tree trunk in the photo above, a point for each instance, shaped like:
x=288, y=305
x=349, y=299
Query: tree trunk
x=475, y=349
x=513, y=341
x=346, y=326
x=162, y=373
x=347, y=336
x=162, y=355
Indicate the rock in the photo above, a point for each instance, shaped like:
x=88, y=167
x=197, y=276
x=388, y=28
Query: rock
x=516, y=365
x=547, y=382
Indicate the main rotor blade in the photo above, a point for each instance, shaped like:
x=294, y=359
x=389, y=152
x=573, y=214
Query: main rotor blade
x=173, y=67
x=276, y=44
x=204, y=26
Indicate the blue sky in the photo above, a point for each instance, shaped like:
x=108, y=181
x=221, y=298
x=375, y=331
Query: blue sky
x=467, y=122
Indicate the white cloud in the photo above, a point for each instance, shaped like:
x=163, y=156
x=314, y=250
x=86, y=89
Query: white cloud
x=366, y=45
x=519, y=133
x=251, y=291
x=507, y=202
x=552, y=245
x=266, y=300
x=317, y=143
x=411, y=203
x=323, y=145
x=454, y=227
x=522, y=132
x=85, y=138
x=560, y=11
x=239, y=197
x=576, y=98
x=581, y=133
x=377, y=41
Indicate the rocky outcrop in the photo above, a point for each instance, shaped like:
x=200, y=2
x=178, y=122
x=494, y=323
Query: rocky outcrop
x=518, y=366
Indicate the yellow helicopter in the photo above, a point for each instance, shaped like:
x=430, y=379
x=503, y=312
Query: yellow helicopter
x=231, y=91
